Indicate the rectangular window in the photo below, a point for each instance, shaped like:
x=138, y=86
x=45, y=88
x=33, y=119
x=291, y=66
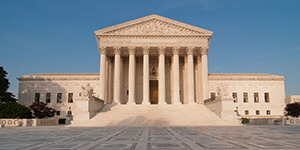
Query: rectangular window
x=48, y=97
x=213, y=96
x=234, y=96
x=245, y=97
x=57, y=113
x=267, y=97
x=268, y=112
x=257, y=112
x=256, y=99
x=37, y=97
x=70, y=98
x=59, y=97
x=246, y=112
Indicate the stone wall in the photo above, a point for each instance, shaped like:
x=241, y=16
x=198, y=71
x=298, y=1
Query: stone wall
x=251, y=83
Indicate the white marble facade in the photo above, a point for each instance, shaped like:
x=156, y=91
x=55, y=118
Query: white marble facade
x=156, y=60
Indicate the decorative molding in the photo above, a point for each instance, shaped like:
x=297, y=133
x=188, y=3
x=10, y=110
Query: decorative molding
x=204, y=50
x=117, y=50
x=161, y=50
x=175, y=50
x=146, y=50
x=102, y=50
x=153, y=27
x=131, y=50
x=190, y=50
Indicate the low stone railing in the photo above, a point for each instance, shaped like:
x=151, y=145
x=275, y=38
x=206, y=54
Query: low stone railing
x=86, y=108
x=29, y=122
x=223, y=107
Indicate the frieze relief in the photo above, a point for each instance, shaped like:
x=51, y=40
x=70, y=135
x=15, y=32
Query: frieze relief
x=153, y=27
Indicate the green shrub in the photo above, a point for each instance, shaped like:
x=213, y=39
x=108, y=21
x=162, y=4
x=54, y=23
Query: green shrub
x=62, y=121
x=14, y=110
x=245, y=120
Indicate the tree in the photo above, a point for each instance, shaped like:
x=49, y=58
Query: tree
x=14, y=110
x=40, y=110
x=292, y=109
x=5, y=96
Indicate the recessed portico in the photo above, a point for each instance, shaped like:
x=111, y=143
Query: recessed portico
x=137, y=53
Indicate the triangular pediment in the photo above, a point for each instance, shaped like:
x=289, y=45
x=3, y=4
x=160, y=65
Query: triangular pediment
x=153, y=25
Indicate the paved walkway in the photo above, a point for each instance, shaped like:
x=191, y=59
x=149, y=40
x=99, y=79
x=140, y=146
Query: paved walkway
x=183, y=138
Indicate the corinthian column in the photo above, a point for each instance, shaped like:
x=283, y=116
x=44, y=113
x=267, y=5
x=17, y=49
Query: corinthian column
x=161, y=76
x=117, y=75
x=102, y=73
x=204, y=51
x=146, y=99
x=131, y=78
x=176, y=76
x=190, y=69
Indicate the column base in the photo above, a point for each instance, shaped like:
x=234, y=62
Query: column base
x=177, y=103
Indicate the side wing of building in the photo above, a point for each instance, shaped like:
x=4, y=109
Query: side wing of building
x=254, y=94
x=58, y=90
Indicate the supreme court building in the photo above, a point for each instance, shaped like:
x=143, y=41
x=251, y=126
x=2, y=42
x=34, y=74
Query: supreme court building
x=156, y=61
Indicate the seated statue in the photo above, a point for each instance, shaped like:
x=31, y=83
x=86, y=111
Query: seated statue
x=87, y=91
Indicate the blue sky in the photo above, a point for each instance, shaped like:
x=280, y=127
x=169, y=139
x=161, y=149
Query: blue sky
x=56, y=36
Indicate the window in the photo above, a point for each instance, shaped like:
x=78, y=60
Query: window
x=234, y=96
x=267, y=97
x=268, y=112
x=70, y=98
x=246, y=112
x=257, y=112
x=57, y=113
x=213, y=96
x=245, y=97
x=37, y=97
x=256, y=99
x=59, y=97
x=48, y=97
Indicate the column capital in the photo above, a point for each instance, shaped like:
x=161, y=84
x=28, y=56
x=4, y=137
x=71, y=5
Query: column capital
x=117, y=50
x=102, y=50
x=204, y=50
x=190, y=50
x=175, y=50
x=161, y=50
x=146, y=50
x=131, y=50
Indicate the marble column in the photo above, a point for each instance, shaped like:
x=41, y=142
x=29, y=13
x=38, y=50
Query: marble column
x=205, y=94
x=131, y=77
x=117, y=75
x=102, y=73
x=146, y=86
x=199, y=84
x=176, y=76
x=190, y=78
x=161, y=76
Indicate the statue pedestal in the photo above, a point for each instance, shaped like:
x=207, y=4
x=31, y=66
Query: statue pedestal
x=86, y=108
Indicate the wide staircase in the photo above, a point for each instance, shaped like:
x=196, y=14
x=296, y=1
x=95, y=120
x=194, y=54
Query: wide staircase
x=155, y=115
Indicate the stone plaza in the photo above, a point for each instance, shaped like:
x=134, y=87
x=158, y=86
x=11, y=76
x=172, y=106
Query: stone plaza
x=153, y=138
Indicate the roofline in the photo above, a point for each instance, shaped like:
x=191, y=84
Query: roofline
x=153, y=16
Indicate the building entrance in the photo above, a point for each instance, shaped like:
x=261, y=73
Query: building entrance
x=154, y=91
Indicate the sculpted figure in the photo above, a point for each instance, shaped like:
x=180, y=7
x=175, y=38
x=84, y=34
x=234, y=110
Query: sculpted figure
x=87, y=91
x=222, y=90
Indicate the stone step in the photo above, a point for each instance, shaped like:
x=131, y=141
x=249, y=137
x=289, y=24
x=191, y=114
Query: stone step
x=155, y=115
